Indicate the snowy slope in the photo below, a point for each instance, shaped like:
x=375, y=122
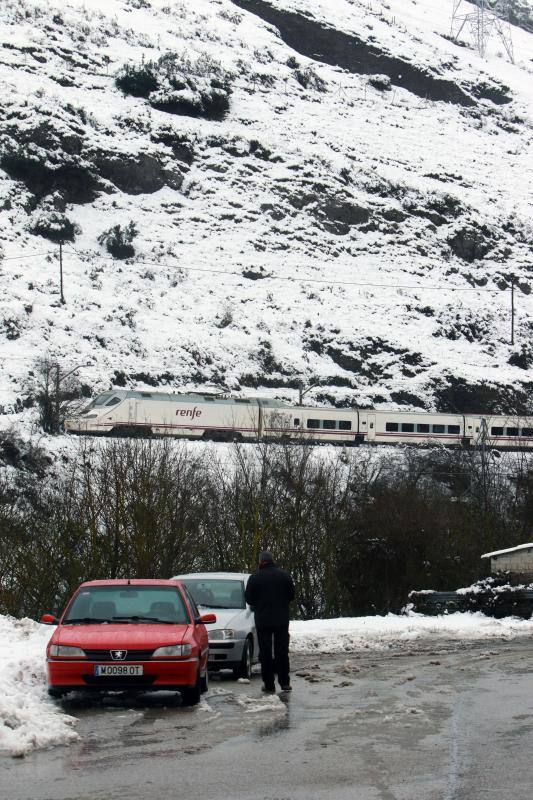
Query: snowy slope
x=353, y=231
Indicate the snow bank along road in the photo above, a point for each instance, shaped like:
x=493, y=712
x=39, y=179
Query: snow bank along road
x=29, y=720
x=435, y=720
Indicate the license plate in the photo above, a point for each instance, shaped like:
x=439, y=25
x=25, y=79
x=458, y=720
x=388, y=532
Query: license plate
x=100, y=670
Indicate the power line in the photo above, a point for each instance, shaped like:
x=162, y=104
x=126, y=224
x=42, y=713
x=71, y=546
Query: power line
x=291, y=279
x=31, y=255
x=287, y=278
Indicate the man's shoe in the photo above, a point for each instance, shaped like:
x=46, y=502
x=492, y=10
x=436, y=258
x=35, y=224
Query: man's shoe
x=286, y=688
x=268, y=689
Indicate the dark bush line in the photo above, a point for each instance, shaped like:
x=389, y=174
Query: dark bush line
x=356, y=532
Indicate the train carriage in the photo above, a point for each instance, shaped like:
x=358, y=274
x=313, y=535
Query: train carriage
x=386, y=427
x=311, y=424
x=165, y=414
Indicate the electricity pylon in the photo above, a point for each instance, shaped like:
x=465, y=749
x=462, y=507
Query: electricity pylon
x=486, y=19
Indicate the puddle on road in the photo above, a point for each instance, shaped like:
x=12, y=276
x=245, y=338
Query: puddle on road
x=153, y=723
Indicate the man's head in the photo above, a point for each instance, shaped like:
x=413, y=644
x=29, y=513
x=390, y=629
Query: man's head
x=265, y=559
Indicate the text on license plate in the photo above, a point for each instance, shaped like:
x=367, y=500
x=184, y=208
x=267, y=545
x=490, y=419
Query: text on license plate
x=117, y=669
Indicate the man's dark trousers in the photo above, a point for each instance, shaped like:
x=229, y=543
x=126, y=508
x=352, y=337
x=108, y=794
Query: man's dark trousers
x=277, y=636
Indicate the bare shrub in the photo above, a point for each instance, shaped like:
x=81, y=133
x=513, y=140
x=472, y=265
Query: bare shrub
x=57, y=397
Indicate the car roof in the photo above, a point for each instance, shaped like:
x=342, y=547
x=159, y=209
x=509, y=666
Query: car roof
x=132, y=582
x=229, y=575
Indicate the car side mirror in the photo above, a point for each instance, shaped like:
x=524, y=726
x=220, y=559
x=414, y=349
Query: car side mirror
x=207, y=619
x=49, y=619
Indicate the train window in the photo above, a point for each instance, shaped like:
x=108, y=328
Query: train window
x=313, y=423
x=454, y=429
x=526, y=432
x=240, y=400
x=496, y=431
x=101, y=401
x=438, y=428
x=345, y=425
x=392, y=427
x=209, y=399
x=408, y=427
x=422, y=428
x=296, y=423
x=113, y=401
x=329, y=424
x=511, y=431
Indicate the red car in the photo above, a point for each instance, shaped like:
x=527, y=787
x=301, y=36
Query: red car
x=134, y=635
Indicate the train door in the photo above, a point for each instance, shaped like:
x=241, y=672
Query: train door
x=480, y=430
x=260, y=420
x=370, y=427
x=132, y=412
x=472, y=427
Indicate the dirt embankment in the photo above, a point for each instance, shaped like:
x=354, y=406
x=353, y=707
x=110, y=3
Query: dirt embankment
x=311, y=38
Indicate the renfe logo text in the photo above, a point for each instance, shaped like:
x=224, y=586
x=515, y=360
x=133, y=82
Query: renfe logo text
x=188, y=412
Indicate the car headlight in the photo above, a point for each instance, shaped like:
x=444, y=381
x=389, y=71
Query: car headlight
x=173, y=650
x=64, y=651
x=222, y=633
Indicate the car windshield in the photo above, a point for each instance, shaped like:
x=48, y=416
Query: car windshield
x=134, y=604
x=216, y=592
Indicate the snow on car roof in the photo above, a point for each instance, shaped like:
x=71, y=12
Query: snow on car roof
x=229, y=575
x=508, y=550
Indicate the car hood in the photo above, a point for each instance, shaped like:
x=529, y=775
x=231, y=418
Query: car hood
x=135, y=636
x=227, y=618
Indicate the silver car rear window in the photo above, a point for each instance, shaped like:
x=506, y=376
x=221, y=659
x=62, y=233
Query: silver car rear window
x=216, y=592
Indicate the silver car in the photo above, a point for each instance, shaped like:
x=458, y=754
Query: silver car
x=233, y=642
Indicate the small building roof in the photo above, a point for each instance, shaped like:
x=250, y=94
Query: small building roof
x=527, y=546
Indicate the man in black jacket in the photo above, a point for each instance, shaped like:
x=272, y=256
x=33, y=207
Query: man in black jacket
x=269, y=592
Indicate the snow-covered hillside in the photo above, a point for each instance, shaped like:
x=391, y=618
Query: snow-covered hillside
x=358, y=221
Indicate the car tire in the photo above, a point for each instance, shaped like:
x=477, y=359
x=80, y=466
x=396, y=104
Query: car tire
x=191, y=696
x=56, y=694
x=204, y=682
x=244, y=669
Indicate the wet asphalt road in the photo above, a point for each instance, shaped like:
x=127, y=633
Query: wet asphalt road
x=448, y=723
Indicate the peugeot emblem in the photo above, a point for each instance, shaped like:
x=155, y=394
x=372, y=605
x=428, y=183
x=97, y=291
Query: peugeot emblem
x=118, y=655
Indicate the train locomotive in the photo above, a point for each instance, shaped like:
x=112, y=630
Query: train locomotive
x=220, y=418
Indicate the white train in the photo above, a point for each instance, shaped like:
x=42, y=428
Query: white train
x=203, y=416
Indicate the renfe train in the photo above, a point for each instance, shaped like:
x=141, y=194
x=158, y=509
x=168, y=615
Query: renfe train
x=203, y=416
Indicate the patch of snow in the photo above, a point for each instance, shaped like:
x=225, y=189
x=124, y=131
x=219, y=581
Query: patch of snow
x=493, y=586
x=205, y=707
x=258, y=705
x=393, y=631
x=29, y=720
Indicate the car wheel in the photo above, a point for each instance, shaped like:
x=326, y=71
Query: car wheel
x=204, y=683
x=55, y=693
x=244, y=669
x=191, y=697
